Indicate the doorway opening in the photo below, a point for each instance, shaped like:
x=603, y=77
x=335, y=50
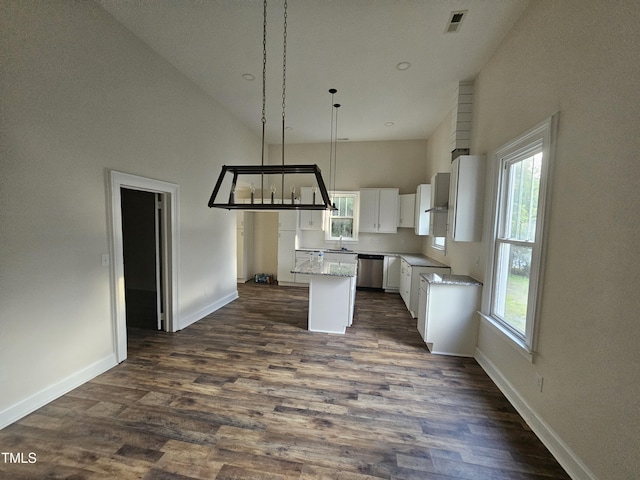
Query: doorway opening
x=144, y=251
x=142, y=247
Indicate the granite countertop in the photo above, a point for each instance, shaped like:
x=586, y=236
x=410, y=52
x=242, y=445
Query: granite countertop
x=437, y=279
x=333, y=269
x=327, y=250
x=413, y=259
x=417, y=260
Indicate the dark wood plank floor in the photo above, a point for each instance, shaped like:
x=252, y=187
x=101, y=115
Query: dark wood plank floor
x=249, y=393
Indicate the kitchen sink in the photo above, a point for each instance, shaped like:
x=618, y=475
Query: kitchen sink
x=338, y=250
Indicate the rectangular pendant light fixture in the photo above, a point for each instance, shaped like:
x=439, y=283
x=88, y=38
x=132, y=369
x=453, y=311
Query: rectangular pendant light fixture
x=261, y=170
x=268, y=203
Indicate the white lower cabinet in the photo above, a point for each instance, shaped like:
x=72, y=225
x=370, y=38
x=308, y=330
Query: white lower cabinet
x=391, y=273
x=405, y=282
x=447, y=314
x=410, y=282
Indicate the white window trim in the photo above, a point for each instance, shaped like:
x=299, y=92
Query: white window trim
x=545, y=133
x=435, y=246
x=356, y=217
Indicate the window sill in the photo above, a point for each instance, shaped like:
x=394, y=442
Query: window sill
x=516, y=343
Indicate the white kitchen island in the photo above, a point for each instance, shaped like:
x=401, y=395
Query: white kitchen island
x=332, y=294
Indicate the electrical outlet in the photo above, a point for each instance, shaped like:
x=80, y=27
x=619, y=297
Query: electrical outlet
x=538, y=381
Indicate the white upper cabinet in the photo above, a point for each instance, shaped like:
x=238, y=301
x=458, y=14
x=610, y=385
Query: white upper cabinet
x=407, y=210
x=288, y=220
x=369, y=201
x=431, y=206
x=423, y=203
x=379, y=210
x=466, y=195
x=439, y=201
x=310, y=219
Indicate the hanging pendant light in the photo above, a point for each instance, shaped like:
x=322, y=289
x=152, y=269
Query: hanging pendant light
x=333, y=143
x=262, y=169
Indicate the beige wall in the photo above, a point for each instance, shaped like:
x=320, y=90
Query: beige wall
x=81, y=95
x=400, y=164
x=578, y=58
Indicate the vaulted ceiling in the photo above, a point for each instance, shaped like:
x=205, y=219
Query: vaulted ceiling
x=354, y=46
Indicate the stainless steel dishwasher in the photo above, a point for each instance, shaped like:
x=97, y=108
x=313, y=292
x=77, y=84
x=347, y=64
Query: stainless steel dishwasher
x=370, y=271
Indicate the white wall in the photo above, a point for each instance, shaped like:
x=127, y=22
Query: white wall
x=578, y=58
x=81, y=95
x=400, y=164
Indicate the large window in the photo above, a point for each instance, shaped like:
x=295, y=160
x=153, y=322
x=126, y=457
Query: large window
x=521, y=177
x=343, y=222
x=515, y=241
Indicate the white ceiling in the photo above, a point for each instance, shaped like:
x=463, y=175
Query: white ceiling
x=351, y=45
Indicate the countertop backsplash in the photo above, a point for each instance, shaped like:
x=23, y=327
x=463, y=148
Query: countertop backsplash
x=403, y=241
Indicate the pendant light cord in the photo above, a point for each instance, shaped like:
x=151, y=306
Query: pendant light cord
x=332, y=182
x=264, y=89
x=284, y=89
x=336, y=106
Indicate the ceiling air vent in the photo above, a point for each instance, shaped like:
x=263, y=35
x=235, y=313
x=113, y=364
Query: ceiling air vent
x=455, y=20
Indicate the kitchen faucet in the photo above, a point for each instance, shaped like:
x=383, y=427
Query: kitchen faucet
x=340, y=242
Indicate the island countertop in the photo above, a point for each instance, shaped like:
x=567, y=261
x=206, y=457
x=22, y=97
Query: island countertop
x=334, y=269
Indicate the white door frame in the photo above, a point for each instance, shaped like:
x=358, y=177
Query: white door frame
x=170, y=245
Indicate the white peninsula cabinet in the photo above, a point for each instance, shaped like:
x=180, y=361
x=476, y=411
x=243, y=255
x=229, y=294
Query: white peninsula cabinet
x=379, y=210
x=447, y=313
x=411, y=267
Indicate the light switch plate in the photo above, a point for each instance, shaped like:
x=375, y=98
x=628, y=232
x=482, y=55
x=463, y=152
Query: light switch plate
x=105, y=259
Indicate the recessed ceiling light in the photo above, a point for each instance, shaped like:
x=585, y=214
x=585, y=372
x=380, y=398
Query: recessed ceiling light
x=343, y=139
x=403, y=66
x=388, y=124
x=288, y=128
x=248, y=77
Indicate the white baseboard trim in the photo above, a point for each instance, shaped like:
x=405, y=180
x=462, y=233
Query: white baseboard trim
x=576, y=469
x=41, y=398
x=184, y=322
